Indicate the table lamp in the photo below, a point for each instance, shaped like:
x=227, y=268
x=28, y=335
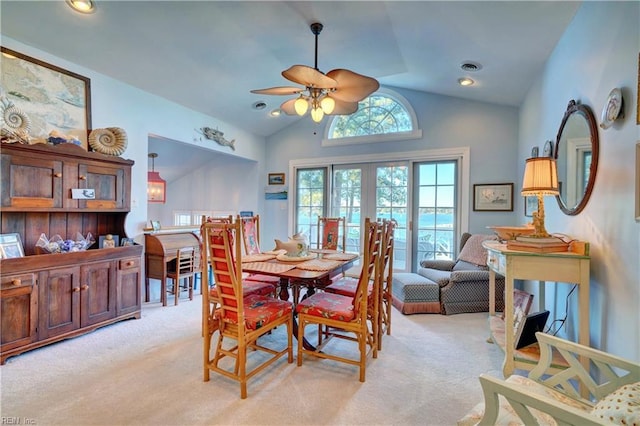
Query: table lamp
x=540, y=179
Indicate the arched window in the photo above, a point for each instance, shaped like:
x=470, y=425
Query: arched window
x=383, y=116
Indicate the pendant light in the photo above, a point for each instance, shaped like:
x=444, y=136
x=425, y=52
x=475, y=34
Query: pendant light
x=156, y=186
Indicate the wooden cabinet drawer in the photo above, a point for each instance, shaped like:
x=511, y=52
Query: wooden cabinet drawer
x=496, y=262
x=16, y=281
x=129, y=263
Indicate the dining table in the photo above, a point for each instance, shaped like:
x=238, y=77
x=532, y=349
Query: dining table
x=312, y=271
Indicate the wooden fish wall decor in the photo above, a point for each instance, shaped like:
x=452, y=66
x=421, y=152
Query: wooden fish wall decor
x=217, y=136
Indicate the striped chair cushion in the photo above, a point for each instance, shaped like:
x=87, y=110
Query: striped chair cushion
x=328, y=305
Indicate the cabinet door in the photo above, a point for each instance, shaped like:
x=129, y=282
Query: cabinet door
x=59, y=301
x=98, y=292
x=107, y=182
x=31, y=182
x=19, y=309
x=129, y=286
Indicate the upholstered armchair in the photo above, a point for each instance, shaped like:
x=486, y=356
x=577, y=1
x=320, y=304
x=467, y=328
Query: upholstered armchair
x=464, y=282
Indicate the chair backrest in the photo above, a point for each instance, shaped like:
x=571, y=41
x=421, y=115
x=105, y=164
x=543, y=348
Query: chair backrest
x=185, y=262
x=372, y=240
x=385, y=269
x=250, y=233
x=332, y=233
x=225, y=255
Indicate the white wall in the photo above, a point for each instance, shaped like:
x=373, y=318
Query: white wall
x=141, y=114
x=490, y=131
x=598, y=52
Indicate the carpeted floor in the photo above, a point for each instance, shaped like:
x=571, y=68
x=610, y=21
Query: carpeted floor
x=149, y=372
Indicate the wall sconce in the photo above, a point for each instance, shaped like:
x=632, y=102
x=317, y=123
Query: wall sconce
x=156, y=186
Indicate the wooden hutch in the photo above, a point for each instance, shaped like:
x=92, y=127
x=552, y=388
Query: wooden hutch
x=46, y=298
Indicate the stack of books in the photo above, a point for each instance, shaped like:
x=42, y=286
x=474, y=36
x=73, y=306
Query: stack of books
x=538, y=245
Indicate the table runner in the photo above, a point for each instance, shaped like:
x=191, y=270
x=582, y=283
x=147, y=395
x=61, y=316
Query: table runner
x=274, y=268
x=318, y=265
x=260, y=257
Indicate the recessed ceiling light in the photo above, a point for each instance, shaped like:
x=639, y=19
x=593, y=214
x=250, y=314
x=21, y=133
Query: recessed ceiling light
x=259, y=105
x=275, y=113
x=465, y=81
x=82, y=6
x=470, y=66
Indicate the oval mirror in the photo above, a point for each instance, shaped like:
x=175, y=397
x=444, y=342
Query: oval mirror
x=576, y=153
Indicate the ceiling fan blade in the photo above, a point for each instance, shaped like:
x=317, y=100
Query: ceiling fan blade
x=288, y=108
x=280, y=90
x=309, y=77
x=343, y=108
x=352, y=87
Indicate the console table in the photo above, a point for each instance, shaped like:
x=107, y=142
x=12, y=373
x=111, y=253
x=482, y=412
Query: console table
x=563, y=267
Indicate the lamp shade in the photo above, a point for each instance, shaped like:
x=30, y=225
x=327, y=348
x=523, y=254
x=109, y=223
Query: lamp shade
x=540, y=177
x=156, y=188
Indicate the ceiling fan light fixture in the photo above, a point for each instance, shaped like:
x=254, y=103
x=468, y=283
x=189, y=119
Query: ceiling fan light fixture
x=327, y=104
x=301, y=105
x=82, y=6
x=317, y=114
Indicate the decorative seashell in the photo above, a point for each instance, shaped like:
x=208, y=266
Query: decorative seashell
x=13, y=117
x=110, y=140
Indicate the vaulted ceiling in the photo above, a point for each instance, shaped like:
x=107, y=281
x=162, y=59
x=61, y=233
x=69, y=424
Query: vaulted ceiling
x=208, y=55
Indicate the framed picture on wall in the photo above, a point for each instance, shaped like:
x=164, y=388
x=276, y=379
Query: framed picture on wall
x=530, y=205
x=45, y=92
x=493, y=197
x=276, y=178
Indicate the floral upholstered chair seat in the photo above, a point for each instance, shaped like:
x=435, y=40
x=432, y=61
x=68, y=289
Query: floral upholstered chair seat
x=328, y=305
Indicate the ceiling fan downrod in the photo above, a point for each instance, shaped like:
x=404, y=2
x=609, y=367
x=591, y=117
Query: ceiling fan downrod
x=316, y=28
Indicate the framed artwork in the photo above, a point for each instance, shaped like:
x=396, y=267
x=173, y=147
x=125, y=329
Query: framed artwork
x=108, y=241
x=10, y=246
x=51, y=97
x=125, y=242
x=276, y=178
x=530, y=205
x=155, y=225
x=493, y=197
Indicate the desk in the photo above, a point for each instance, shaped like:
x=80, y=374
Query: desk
x=565, y=267
x=160, y=249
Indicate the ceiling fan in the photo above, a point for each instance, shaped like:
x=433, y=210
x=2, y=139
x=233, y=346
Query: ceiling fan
x=334, y=93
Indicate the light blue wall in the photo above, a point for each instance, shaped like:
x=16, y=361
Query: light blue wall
x=598, y=52
x=490, y=131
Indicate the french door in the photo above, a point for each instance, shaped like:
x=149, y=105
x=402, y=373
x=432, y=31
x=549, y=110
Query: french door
x=421, y=196
x=377, y=191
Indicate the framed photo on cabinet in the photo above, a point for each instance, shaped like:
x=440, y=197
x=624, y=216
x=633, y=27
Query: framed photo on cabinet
x=11, y=246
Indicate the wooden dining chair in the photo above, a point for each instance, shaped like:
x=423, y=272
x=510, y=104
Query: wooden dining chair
x=210, y=300
x=332, y=233
x=344, y=316
x=379, y=289
x=251, y=242
x=184, y=269
x=241, y=318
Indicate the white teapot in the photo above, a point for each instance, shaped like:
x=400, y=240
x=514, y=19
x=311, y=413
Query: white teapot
x=297, y=246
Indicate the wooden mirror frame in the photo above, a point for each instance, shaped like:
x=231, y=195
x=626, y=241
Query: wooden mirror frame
x=574, y=108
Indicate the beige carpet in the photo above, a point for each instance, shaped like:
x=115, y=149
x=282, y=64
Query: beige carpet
x=148, y=372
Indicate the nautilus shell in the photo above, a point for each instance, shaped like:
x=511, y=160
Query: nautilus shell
x=13, y=117
x=110, y=140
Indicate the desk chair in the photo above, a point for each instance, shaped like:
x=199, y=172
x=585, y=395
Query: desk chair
x=184, y=269
x=240, y=318
x=345, y=316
